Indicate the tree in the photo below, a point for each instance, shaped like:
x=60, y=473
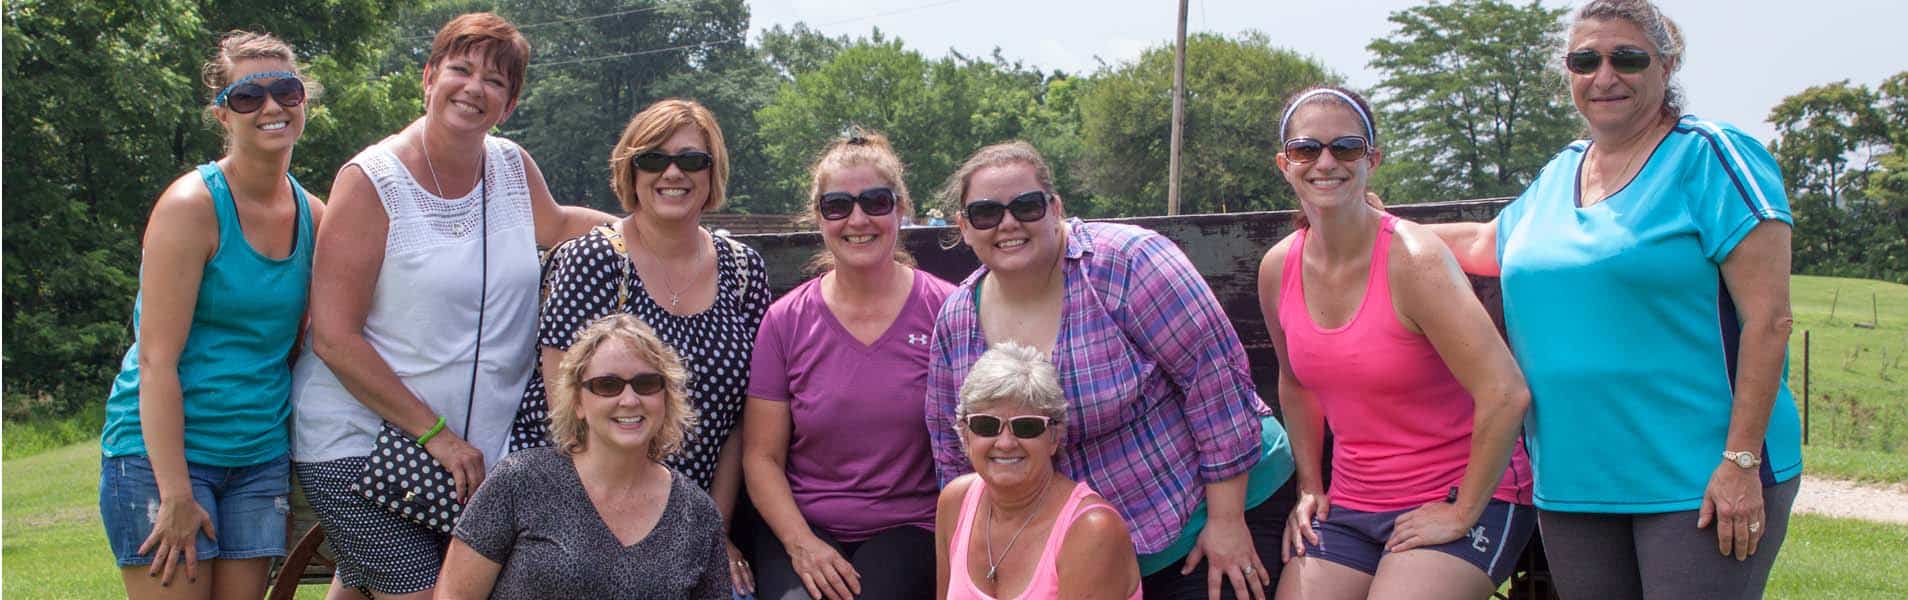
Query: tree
x=935, y=112
x=1235, y=87
x=104, y=108
x=1471, y=100
x=1842, y=153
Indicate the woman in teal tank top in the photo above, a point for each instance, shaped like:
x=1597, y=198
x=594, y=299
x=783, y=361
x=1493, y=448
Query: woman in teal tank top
x=195, y=452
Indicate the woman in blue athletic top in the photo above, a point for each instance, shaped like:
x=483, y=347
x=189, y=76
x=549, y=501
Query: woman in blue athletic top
x=1645, y=276
x=195, y=465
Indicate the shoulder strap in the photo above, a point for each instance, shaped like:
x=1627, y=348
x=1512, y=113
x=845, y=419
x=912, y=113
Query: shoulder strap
x=622, y=256
x=744, y=271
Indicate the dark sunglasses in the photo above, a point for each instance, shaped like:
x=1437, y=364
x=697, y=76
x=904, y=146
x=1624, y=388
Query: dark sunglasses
x=875, y=202
x=657, y=162
x=1624, y=60
x=245, y=96
x=1024, y=427
x=608, y=386
x=1344, y=148
x=1026, y=208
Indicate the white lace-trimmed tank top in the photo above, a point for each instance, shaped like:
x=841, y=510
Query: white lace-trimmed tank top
x=423, y=316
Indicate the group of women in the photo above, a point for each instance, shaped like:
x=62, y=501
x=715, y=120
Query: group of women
x=1091, y=426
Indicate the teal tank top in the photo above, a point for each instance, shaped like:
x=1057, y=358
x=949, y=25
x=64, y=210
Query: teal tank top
x=234, y=380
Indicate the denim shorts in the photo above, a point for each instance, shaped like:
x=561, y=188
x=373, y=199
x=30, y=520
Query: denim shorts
x=1356, y=538
x=248, y=505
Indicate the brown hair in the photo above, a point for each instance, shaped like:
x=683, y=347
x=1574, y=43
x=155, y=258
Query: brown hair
x=1661, y=31
x=858, y=148
x=571, y=434
x=1011, y=152
x=490, y=36
x=649, y=129
x=1305, y=96
x=237, y=45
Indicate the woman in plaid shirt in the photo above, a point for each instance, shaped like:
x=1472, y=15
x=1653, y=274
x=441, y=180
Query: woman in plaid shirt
x=1165, y=421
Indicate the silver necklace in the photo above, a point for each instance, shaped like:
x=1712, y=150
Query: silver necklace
x=425, y=143
x=993, y=565
x=669, y=281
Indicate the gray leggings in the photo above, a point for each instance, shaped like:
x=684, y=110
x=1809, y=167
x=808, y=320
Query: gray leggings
x=1663, y=555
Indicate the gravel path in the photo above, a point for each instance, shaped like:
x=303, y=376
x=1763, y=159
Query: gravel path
x=1847, y=499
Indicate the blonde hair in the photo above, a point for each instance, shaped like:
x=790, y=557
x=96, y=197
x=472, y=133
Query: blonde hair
x=649, y=129
x=239, y=45
x=1014, y=152
x=859, y=148
x=1011, y=371
x=568, y=430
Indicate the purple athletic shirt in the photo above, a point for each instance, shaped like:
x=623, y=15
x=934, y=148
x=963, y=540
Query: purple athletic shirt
x=859, y=460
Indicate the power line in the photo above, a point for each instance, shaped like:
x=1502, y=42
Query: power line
x=583, y=18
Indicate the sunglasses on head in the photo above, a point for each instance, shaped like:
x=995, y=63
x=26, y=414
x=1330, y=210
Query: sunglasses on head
x=609, y=386
x=1026, y=208
x=1024, y=427
x=1624, y=60
x=246, y=96
x=657, y=162
x=875, y=202
x=1344, y=148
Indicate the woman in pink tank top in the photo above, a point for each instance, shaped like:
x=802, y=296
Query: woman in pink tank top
x=1380, y=337
x=1016, y=528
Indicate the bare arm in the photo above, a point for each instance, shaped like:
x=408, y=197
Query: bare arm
x=1096, y=559
x=766, y=426
x=180, y=237
x=349, y=254
x=1433, y=296
x=1757, y=274
x=317, y=220
x=1304, y=422
x=947, y=517
x=555, y=222
x=1474, y=245
x=466, y=574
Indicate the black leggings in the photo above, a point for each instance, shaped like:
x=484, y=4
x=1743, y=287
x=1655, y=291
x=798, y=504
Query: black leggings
x=897, y=563
x=1663, y=555
x=1267, y=524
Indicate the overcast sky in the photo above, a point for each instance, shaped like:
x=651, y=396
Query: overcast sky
x=1743, y=56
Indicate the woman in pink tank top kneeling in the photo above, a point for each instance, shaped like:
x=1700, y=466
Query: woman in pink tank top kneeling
x=1016, y=528
x=1380, y=337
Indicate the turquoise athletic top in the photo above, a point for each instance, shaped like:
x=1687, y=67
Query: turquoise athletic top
x=232, y=370
x=1619, y=317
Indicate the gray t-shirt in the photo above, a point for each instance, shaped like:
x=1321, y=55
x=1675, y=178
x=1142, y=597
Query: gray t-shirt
x=532, y=516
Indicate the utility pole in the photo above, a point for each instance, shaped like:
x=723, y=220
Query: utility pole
x=1179, y=113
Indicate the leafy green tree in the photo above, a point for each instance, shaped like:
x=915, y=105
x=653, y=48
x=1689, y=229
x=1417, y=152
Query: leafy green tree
x=1235, y=87
x=104, y=108
x=1471, y=101
x=936, y=112
x=1842, y=155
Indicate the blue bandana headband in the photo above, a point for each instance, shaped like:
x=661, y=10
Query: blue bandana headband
x=1370, y=133
x=220, y=100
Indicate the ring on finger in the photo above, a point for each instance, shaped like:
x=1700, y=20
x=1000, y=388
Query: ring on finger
x=1249, y=570
x=1754, y=527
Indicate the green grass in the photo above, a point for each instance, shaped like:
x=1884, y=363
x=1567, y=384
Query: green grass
x=1866, y=466
x=29, y=436
x=1858, y=377
x=55, y=546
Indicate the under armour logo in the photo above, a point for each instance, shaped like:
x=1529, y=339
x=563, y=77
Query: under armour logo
x=918, y=339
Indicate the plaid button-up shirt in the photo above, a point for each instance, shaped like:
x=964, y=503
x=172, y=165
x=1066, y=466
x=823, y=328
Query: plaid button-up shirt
x=1159, y=395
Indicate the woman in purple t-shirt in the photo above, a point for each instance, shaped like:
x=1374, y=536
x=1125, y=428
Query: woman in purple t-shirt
x=833, y=449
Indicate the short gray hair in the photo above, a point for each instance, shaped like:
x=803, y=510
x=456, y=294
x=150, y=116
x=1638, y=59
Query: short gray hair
x=1011, y=371
x=1661, y=31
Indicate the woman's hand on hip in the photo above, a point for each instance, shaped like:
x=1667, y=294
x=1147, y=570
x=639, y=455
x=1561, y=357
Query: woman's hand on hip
x=175, y=536
x=1226, y=545
x=823, y=571
x=1733, y=501
x=1311, y=508
x=1429, y=525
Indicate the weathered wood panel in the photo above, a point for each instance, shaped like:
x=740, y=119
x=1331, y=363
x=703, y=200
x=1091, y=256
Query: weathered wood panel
x=1225, y=247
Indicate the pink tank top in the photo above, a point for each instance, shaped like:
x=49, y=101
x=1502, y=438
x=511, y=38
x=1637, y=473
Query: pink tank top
x=1046, y=580
x=1401, y=423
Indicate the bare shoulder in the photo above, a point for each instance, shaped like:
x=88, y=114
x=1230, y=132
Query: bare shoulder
x=1273, y=264
x=1418, y=247
x=1096, y=528
x=956, y=491
x=185, y=201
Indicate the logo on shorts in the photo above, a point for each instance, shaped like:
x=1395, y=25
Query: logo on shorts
x=1478, y=541
x=918, y=339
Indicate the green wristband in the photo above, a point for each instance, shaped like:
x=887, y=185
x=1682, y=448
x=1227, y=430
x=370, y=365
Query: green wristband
x=426, y=438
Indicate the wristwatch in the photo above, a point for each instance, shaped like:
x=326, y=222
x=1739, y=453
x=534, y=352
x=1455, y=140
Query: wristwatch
x=1744, y=459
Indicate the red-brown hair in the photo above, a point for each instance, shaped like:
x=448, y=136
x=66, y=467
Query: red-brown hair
x=490, y=36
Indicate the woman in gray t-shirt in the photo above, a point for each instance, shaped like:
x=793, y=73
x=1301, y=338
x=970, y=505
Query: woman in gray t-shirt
x=598, y=514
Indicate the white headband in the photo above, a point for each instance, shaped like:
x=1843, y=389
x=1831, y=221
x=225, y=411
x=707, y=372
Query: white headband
x=1370, y=133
